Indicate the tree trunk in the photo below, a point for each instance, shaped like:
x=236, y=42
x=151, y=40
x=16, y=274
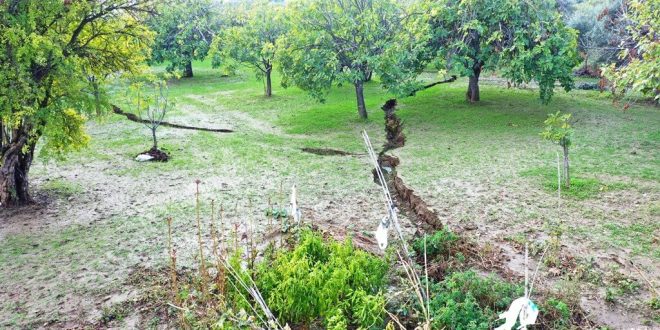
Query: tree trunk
x=153, y=135
x=472, y=94
x=359, y=93
x=567, y=178
x=269, y=84
x=188, y=70
x=14, y=168
x=369, y=75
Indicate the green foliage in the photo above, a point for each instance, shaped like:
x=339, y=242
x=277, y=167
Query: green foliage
x=48, y=52
x=654, y=303
x=523, y=40
x=557, y=129
x=330, y=280
x=598, y=24
x=641, y=74
x=440, y=243
x=343, y=42
x=183, y=32
x=465, y=300
x=557, y=311
x=253, y=40
x=64, y=133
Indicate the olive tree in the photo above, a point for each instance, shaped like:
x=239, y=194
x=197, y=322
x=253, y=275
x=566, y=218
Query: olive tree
x=342, y=42
x=600, y=26
x=523, y=40
x=252, y=41
x=48, y=50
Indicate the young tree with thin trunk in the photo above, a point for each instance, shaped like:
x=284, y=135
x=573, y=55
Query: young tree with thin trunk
x=48, y=49
x=558, y=130
x=153, y=108
x=252, y=41
x=343, y=42
x=522, y=40
x=183, y=33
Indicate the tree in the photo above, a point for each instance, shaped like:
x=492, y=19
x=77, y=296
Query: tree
x=523, y=40
x=153, y=108
x=337, y=42
x=48, y=51
x=640, y=70
x=183, y=33
x=558, y=130
x=253, y=41
x=599, y=27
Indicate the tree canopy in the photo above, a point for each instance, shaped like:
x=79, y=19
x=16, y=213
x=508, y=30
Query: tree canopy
x=640, y=70
x=601, y=25
x=522, y=40
x=49, y=49
x=184, y=30
x=252, y=40
x=342, y=42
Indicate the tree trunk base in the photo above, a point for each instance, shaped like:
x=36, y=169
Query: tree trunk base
x=359, y=93
x=14, y=183
x=472, y=94
x=188, y=70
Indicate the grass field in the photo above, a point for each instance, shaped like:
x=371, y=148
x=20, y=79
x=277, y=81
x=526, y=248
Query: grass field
x=483, y=167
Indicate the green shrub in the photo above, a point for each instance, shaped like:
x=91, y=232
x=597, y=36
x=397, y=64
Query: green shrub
x=332, y=281
x=557, y=311
x=439, y=243
x=466, y=300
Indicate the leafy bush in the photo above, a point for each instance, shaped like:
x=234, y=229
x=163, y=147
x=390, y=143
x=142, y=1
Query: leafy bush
x=332, y=281
x=439, y=243
x=466, y=300
x=557, y=311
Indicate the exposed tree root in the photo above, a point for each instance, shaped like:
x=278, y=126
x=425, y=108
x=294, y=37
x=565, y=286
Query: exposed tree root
x=137, y=119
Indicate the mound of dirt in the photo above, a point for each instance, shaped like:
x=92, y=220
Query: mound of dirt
x=153, y=155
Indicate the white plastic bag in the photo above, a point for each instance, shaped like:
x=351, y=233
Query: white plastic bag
x=523, y=309
x=381, y=234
